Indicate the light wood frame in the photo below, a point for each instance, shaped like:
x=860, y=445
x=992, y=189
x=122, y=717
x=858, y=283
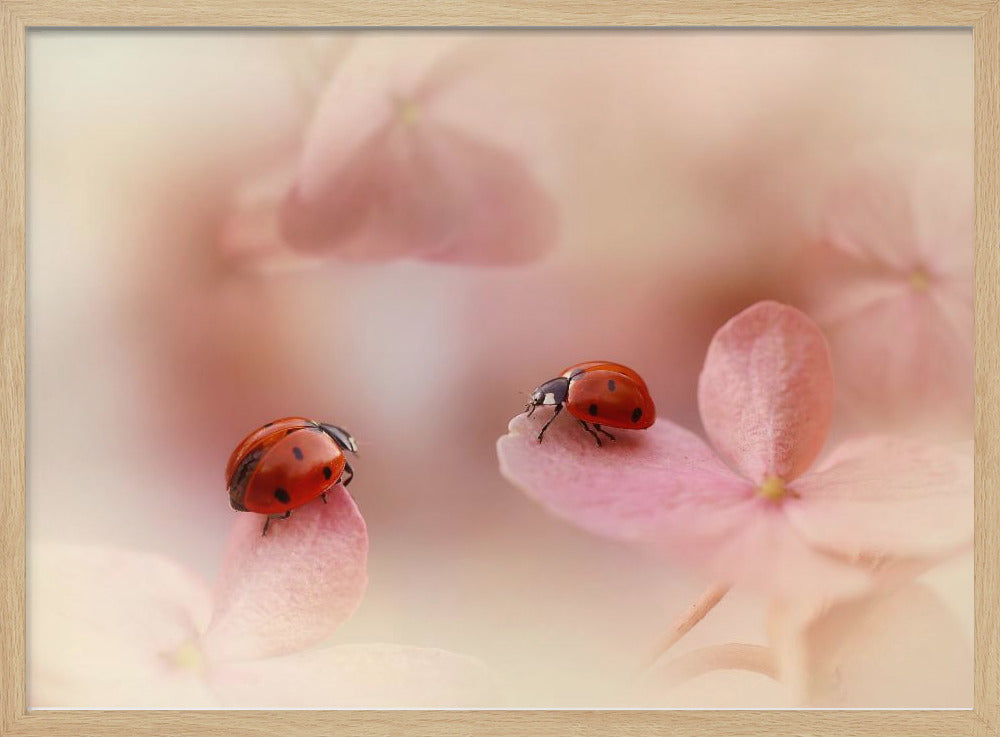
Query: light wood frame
x=981, y=16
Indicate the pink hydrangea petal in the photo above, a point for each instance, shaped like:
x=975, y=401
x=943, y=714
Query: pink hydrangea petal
x=901, y=213
x=895, y=649
x=765, y=552
x=888, y=496
x=944, y=209
x=293, y=587
x=872, y=220
x=251, y=237
x=664, y=488
x=835, y=305
x=368, y=676
x=924, y=374
x=628, y=490
x=104, y=626
x=380, y=72
x=766, y=391
x=427, y=191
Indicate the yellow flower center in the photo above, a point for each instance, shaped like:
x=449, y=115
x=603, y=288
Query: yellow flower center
x=407, y=112
x=186, y=657
x=773, y=488
x=920, y=279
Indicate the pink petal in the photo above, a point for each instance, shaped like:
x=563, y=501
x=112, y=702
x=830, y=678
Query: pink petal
x=105, y=625
x=664, y=488
x=379, y=73
x=902, y=212
x=382, y=176
x=627, y=490
x=426, y=191
x=898, y=649
x=370, y=676
x=251, y=237
x=293, y=587
x=873, y=222
x=922, y=374
x=766, y=391
x=888, y=497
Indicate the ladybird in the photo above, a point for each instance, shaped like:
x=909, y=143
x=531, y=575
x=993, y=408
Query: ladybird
x=597, y=393
x=287, y=463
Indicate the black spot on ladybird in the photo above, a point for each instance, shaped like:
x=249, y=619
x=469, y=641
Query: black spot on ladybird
x=281, y=495
x=611, y=385
x=297, y=452
x=592, y=409
x=636, y=414
x=327, y=472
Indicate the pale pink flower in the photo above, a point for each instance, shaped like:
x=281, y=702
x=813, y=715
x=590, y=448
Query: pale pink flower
x=893, y=291
x=893, y=648
x=392, y=168
x=758, y=508
x=114, y=628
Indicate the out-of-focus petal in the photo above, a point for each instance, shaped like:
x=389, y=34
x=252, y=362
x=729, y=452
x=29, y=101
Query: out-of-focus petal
x=902, y=213
x=380, y=75
x=894, y=649
x=873, y=222
x=907, y=361
x=251, y=237
x=382, y=175
x=426, y=191
x=368, y=676
x=114, y=629
x=664, y=488
x=290, y=589
x=766, y=391
x=888, y=496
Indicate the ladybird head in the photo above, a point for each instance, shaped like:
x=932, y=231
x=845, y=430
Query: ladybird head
x=552, y=392
x=341, y=437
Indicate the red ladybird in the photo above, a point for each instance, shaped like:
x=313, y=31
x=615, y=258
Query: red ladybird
x=287, y=463
x=599, y=393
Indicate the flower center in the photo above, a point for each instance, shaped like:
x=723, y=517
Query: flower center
x=920, y=279
x=772, y=488
x=186, y=657
x=407, y=112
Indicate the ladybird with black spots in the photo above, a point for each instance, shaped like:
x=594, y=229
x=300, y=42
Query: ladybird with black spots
x=598, y=394
x=288, y=463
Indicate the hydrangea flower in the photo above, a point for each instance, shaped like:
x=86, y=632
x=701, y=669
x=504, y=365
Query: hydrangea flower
x=391, y=167
x=893, y=291
x=113, y=628
x=895, y=647
x=756, y=505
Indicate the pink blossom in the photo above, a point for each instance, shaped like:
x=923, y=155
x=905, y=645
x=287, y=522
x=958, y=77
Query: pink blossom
x=893, y=291
x=756, y=507
x=114, y=628
x=893, y=648
x=391, y=168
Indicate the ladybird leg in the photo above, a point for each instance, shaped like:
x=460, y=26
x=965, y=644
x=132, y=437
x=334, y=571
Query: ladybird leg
x=596, y=436
x=546, y=425
x=604, y=432
x=323, y=497
x=349, y=473
x=267, y=522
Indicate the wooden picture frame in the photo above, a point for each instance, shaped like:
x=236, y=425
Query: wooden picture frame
x=981, y=16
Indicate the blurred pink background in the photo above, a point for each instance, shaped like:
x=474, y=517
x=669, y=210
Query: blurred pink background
x=687, y=171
